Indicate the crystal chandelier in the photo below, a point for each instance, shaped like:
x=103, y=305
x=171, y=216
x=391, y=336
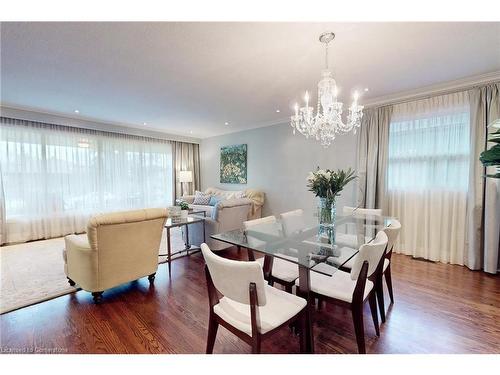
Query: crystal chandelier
x=328, y=119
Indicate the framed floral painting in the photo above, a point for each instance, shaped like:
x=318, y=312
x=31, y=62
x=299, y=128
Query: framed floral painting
x=233, y=164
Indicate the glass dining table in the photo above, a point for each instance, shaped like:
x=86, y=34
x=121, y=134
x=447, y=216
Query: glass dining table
x=308, y=248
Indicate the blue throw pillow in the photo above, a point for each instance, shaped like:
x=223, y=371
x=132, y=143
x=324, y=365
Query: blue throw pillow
x=214, y=200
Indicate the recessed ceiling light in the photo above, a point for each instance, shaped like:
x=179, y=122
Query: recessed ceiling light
x=144, y=123
x=226, y=123
x=190, y=132
x=366, y=89
x=277, y=111
x=77, y=111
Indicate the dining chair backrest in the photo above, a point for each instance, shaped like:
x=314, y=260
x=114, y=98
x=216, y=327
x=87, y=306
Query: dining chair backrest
x=292, y=222
x=372, y=252
x=266, y=226
x=232, y=278
x=356, y=211
x=264, y=220
x=392, y=232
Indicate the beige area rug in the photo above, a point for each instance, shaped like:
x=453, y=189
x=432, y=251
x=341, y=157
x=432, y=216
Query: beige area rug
x=33, y=272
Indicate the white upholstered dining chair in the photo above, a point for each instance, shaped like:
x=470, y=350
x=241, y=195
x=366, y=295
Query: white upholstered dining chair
x=292, y=222
x=353, y=289
x=280, y=271
x=392, y=232
x=348, y=243
x=249, y=308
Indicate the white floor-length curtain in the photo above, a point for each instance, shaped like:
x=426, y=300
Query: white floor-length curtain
x=428, y=176
x=55, y=177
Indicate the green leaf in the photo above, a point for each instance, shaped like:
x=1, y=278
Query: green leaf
x=493, y=175
x=491, y=157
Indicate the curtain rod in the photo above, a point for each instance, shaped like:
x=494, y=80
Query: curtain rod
x=23, y=122
x=430, y=95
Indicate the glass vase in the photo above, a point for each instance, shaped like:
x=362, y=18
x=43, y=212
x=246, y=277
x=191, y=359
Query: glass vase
x=326, y=215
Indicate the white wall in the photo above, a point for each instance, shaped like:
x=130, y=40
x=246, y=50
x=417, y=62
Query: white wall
x=278, y=163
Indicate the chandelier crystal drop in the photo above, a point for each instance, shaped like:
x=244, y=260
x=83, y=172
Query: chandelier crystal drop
x=327, y=122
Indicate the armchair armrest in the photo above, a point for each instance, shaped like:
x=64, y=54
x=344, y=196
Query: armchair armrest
x=81, y=262
x=189, y=199
x=77, y=242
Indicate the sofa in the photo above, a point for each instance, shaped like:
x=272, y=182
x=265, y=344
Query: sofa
x=229, y=213
x=255, y=197
x=118, y=247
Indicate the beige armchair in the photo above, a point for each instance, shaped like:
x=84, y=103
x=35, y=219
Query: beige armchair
x=119, y=247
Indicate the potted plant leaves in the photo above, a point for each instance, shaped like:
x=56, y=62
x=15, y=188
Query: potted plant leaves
x=491, y=157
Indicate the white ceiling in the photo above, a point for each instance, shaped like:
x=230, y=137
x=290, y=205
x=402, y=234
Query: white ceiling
x=183, y=77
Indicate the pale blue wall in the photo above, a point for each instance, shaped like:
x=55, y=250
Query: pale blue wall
x=278, y=163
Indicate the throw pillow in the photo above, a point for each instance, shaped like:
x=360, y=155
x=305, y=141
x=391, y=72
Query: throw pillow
x=201, y=198
x=214, y=200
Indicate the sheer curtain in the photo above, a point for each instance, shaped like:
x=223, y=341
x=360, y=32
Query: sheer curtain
x=54, y=177
x=428, y=176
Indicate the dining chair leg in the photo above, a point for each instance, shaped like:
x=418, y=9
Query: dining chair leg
x=256, y=345
x=379, y=289
x=251, y=255
x=357, y=318
x=388, y=280
x=212, y=333
x=302, y=333
x=373, y=308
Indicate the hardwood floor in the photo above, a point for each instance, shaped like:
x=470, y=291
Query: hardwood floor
x=438, y=309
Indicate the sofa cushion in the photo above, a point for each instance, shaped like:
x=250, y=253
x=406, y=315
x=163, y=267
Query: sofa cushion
x=201, y=198
x=226, y=194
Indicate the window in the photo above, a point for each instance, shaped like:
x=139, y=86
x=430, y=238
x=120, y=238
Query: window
x=429, y=150
x=54, y=178
x=428, y=176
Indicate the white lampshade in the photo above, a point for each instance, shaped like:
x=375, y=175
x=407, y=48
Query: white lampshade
x=185, y=176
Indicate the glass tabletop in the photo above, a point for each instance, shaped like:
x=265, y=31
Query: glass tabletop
x=183, y=221
x=306, y=247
